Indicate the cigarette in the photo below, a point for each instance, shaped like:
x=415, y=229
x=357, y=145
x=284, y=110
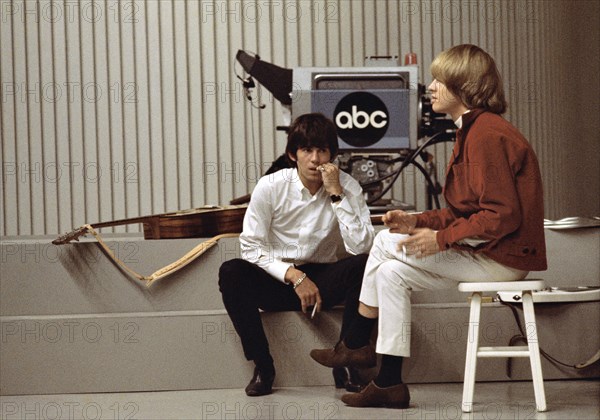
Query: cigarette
x=321, y=168
x=314, y=311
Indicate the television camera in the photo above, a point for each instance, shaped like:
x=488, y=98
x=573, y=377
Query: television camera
x=381, y=112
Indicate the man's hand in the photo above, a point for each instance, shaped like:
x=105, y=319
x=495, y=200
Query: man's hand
x=421, y=243
x=307, y=291
x=399, y=221
x=309, y=295
x=331, y=178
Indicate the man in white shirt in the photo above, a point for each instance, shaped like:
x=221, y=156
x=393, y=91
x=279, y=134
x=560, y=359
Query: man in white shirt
x=305, y=237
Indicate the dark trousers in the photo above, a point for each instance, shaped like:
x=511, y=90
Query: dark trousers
x=246, y=288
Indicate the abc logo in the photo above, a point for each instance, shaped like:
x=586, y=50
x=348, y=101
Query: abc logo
x=361, y=119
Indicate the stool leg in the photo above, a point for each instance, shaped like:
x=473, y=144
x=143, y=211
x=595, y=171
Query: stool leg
x=472, y=347
x=534, y=351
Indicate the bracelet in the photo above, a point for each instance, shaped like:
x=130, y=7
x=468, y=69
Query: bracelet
x=299, y=281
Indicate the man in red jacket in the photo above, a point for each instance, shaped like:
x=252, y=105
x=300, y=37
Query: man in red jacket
x=491, y=230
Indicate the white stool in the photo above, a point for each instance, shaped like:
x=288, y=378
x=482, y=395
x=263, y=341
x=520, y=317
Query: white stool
x=532, y=350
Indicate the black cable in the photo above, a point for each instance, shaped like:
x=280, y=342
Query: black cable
x=523, y=338
x=378, y=180
x=432, y=186
x=248, y=83
x=431, y=140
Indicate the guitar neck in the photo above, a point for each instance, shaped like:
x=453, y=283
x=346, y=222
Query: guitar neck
x=74, y=235
x=121, y=222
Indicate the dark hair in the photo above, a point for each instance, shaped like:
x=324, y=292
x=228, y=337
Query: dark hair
x=471, y=74
x=312, y=130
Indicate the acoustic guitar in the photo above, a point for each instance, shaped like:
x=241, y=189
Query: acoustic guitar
x=202, y=222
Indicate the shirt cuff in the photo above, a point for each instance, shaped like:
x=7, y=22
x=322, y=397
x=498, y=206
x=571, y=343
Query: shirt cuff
x=278, y=269
x=443, y=240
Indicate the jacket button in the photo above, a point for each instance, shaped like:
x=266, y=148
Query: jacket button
x=525, y=251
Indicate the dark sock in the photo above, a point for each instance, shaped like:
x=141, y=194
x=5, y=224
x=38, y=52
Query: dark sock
x=390, y=372
x=360, y=332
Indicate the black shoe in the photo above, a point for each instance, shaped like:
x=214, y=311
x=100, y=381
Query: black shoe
x=348, y=378
x=260, y=384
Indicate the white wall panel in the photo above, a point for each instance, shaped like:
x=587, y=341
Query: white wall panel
x=114, y=109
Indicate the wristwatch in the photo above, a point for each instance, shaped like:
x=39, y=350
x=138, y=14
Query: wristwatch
x=336, y=198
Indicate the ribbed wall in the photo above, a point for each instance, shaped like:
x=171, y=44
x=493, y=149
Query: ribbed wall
x=115, y=109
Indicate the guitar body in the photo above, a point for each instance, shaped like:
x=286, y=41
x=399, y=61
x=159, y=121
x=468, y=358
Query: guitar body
x=197, y=223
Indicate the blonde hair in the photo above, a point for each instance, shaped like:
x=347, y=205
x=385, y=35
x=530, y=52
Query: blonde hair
x=471, y=74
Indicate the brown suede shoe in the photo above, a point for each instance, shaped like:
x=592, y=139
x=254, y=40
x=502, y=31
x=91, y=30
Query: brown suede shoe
x=396, y=396
x=341, y=356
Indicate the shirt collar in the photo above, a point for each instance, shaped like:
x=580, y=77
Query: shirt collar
x=459, y=120
x=301, y=188
x=468, y=118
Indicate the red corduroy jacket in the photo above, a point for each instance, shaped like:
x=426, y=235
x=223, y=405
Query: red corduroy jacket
x=493, y=191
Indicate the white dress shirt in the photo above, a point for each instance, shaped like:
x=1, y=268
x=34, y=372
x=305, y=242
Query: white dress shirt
x=286, y=225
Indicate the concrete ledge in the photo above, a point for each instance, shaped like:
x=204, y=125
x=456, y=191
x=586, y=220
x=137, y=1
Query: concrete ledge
x=152, y=351
x=181, y=350
x=39, y=278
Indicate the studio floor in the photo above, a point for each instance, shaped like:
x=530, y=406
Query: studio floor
x=494, y=400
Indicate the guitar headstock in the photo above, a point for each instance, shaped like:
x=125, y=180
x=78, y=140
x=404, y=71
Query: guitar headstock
x=71, y=236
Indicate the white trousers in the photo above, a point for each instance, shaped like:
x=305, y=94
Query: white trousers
x=391, y=276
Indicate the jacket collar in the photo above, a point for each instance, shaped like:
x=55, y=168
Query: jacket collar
x=467, y=121
x=469, y=117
